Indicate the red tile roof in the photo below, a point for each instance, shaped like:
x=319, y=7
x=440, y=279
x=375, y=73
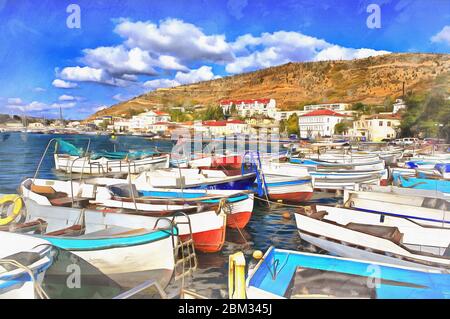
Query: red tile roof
x=214, y=123
x=323, y=113
x=161, y=113
x=249, y=101
x=161, y=123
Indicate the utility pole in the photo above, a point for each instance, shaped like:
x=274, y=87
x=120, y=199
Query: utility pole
x=403, y=91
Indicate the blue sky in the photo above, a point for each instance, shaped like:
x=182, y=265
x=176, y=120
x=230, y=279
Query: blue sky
x=125, y=48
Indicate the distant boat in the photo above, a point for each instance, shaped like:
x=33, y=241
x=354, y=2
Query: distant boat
x=291, y=274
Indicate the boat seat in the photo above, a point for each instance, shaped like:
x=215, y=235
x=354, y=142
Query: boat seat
x=67, y=202
x=47, y=191
x=36, y=226
x=386, y=232
x=74, y=230
x=312, y=212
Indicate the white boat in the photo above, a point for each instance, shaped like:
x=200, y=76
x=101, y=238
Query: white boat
x=29, y=252
x=405, y=191
x=420, y=209
x=208, y=223
x=354, y=234
x=328, y=178
x=127, y=248
x=68, y=163
x=193, y=178
x=399, y=195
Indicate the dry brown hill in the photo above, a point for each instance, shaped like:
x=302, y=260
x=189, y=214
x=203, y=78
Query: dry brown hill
x=368, y=80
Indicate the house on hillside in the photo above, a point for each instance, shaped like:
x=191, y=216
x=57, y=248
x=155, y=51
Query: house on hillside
x=319, y=123
x=250, y=107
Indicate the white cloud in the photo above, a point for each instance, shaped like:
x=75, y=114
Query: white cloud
x=281, y=47
x=88, y=74
x=65, y=105
x=119, y=60
x=65, y=97
x=160, y=83
x=15, y=101
x=442, y=36
x=99, y=108
x=203, y=73
x=39, y=89
x=336, y=52
x=18, y=104
x=177, y=38
x=63, y=84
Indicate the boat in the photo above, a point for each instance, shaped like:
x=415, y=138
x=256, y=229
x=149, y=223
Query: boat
x=358, y=166
x=291, y=274
x=420, y=209
x=186, y=178
x=288, y=188
x=391, y=189
x=20, y=257
x=410, y=180
x=207, y=222
x=393, y=240
x=70, y=159
x=128, y=248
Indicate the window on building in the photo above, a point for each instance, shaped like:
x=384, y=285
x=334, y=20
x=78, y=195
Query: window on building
x=380, y=123
x=389, y=123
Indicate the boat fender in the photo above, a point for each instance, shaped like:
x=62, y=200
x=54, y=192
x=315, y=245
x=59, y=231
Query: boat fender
x=18, y=204
x=286, y=215
x=257, y=254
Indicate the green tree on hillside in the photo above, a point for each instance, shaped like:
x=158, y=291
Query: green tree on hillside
x=292, y=124
x=342, y=127
x=426, y=116
x=213, y=113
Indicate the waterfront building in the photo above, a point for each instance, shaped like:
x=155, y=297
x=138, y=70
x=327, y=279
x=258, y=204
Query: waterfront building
x=377, y=127
x=319, y=123
x=143, y=121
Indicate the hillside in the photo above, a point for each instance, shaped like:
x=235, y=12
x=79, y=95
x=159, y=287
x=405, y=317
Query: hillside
x=368, y=80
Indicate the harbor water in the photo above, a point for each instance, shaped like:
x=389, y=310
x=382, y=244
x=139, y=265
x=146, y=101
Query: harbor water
x=20, y=154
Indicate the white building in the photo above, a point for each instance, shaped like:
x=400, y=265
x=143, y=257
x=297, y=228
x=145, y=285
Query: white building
x=319, y=123
x=250, y=107
x=337, y=107
x=143, y=121
x=122, y=125
x=284, y=115
x=398, y=105
x=376, y=127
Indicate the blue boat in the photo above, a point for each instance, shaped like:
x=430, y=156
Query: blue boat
x=419, y=182
x=292, y=274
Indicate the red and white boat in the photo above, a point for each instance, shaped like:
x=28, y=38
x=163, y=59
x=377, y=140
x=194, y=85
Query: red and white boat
x=208, y=222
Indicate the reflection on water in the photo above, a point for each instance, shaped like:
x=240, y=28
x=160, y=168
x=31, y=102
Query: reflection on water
x=19, y=157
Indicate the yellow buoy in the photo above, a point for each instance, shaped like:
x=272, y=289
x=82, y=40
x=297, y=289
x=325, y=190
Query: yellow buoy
x=17, y=202
x=286, y=215
x=257, y=254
